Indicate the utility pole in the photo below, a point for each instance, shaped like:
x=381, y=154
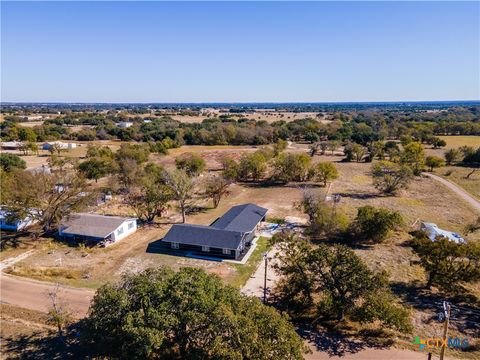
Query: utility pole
x=446, y=310
x=265, y=257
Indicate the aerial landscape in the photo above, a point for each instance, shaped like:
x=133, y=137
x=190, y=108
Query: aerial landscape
x=240, y=180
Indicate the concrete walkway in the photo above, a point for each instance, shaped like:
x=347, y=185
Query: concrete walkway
x=254, y=285
x=456, y=189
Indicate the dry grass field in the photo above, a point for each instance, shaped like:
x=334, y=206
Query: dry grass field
x=25, y=334
x=457, y=174
x=269, y=116
x=453, y=142
x=458, y=141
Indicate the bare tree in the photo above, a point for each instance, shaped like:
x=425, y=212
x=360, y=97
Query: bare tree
x=215, y=188
x=55, y=149
x=149, y=199
x=58, y=314
x=129, y=172
x=182, y=187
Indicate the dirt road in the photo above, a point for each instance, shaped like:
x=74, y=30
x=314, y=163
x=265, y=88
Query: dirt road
x=33, y=295
x=458, y=190
x=374, y=354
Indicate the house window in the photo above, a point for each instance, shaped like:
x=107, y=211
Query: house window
x=175, y=245
x=120, y=231
x=205, y=248
x=226, y=251
x=130, y=225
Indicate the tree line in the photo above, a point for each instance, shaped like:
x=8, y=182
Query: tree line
x=361, y=127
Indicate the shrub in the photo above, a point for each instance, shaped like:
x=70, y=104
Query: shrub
x=374, y=224
x=434, y=162
x=192, y=164
x=389, y=177
x=9, y=162
x=452, y=156
x=324, y=172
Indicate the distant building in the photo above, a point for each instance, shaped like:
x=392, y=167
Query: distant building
x=34, y=117
x=433, y=231
x=10, y=145
x=14, y=225
x=44, y=169
x=124, y=124
x=96, y=228
x=61, y=145
x=228, y=237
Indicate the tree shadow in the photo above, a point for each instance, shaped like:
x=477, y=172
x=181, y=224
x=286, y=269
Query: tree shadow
x=361, y=196
x=196, y=209
x=337, y=344
x=465, y=315
x=11, y=239
x=416, y=295
x=41, y=346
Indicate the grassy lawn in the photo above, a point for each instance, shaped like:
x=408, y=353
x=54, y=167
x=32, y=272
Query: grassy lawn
x=243, y=272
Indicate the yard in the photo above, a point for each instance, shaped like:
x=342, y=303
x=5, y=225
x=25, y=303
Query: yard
x=84, y=267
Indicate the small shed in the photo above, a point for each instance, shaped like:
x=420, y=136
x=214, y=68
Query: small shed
x=124, y=124
x=61, y=145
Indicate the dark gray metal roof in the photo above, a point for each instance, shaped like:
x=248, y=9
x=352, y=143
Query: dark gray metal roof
x=201, y=235
x=242, y=218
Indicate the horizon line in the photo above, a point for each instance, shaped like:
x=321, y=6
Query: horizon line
x=242, y=102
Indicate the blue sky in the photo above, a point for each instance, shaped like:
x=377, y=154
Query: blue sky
x=239, y=51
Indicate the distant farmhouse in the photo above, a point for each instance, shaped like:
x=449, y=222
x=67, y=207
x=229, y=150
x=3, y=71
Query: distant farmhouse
x=61, y=145
x=228, y=237
x=93, y=228
x=124, y=124
x=11, y=145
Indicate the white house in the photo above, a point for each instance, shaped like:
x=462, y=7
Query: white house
x=97, y=228
x=124, y=124
x=14, y=225
x=433, y=231
x=61, y=145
